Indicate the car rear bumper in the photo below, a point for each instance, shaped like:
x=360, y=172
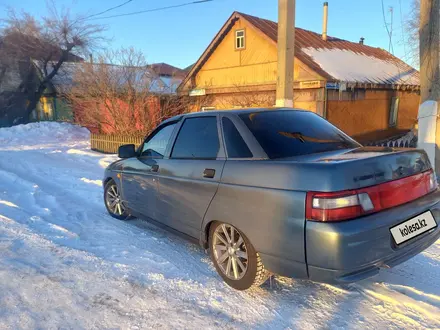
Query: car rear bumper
x=354, y=250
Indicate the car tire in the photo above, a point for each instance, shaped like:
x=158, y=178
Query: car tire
x=112, y=195
x=225, y=238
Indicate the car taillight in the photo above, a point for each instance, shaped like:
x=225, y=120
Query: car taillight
x=432, y=181
x=345, y=205
x=336, y=206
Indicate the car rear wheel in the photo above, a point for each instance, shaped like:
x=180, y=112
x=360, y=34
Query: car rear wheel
x=113, y=201
x=234, y=257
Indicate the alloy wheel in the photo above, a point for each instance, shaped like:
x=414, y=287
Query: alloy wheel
x=114, y=201
x=230, y=251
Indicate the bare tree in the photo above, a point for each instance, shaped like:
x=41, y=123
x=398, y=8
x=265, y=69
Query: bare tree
x=246, y=97
x=412, y=29
x=45, y=45
x=119, y=93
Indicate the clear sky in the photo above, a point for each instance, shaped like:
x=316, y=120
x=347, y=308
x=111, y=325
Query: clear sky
x=179, y=36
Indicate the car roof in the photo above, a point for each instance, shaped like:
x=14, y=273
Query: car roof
x=232, y=111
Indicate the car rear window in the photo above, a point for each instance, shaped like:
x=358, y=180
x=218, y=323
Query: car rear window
x=290, y=133
x=197, y=138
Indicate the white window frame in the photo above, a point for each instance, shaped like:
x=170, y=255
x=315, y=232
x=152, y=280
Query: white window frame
x=394, y=111
x=241, y=38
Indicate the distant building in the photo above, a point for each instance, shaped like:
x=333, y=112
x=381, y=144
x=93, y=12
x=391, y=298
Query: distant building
x=158, y=81
x=164, y=81
x=19, y=77
x=167, y=70
x=359, y=88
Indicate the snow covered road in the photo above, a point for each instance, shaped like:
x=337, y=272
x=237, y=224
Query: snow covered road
x=64, y=263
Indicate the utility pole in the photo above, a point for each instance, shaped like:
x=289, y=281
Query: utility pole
x=429, y=50
x=286, y=52
x=429, y=110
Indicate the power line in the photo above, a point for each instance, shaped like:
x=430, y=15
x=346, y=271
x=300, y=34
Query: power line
x=155, y=9
x=390, y=35
x=386, y=27
x=391, y=30
x=109, y=9
x=402, y=27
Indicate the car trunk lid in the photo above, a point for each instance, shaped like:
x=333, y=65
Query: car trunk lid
x=378, y=165
x=384, y=178
x=367, y=166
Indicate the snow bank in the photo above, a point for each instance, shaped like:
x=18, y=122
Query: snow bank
x=43, y=132
x=346, y=65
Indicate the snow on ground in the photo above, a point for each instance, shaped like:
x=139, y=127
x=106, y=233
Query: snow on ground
x=64, y=263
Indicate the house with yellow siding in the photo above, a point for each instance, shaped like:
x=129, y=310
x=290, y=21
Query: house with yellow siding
x=359, y=88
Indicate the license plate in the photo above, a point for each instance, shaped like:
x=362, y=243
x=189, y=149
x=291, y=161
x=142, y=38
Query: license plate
x=413, y=227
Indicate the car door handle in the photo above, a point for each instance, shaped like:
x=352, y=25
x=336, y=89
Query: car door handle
x=208, y=173
x=155, y=168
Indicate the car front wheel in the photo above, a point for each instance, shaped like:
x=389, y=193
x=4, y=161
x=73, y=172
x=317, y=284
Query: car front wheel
x=234, y=257
x=113, y=201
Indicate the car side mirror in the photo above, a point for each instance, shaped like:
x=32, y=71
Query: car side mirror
x=127, y=151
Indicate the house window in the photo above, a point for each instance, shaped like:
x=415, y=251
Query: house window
x=394, y=110
x=239, y=39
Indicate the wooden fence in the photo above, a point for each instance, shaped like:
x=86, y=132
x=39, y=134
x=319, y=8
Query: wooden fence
x=111, y=143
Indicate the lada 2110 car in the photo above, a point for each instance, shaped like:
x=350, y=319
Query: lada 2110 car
x=279, y=191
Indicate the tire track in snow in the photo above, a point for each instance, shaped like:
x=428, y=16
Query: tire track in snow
x=150, y=245
x=54, y=286
x=67, y=205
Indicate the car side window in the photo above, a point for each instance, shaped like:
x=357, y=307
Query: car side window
x=197, y=138
x=235, y=144
x=155, y=146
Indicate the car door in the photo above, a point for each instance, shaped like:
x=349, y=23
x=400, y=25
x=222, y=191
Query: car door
x=189, y=178
x=139, y=178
